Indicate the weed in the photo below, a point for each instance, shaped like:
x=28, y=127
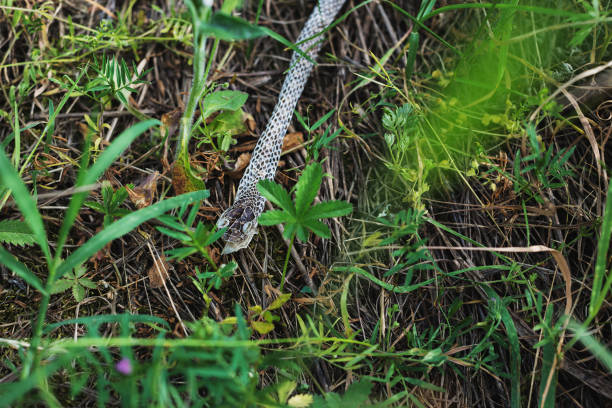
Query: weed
x=299, y=216
x=196, y=238
x=76, y=281
x=111, y=201
x=319, y=140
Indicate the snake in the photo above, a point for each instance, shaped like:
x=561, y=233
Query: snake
x=240, y=219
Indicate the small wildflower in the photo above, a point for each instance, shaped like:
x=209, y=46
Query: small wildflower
x=124, y=366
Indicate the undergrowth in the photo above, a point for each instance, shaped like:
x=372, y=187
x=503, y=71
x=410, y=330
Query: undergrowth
x=472, y=267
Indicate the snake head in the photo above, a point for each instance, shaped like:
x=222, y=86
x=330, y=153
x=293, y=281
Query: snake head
x=241, y=224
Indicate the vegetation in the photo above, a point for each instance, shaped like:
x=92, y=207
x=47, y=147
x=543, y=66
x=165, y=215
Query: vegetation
x=454, y=177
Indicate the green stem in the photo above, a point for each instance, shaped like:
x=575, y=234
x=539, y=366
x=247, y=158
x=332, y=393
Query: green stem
x=33, y=357
x=198, y=88
x=287, y=262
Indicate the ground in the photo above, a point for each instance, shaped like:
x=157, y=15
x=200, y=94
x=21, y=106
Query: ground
x=477, y=178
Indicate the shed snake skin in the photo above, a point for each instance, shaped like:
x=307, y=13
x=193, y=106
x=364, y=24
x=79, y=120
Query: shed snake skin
x=241, y=218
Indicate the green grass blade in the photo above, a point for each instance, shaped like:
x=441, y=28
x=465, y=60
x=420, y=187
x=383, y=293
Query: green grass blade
x=91, y=175
x=11, y=180
x=97, y=320
x=600, y=290
x=515, y=349
x=7, y=259
x=548, y=358
x=49, y=128
x=123, y=226
x=600, y=351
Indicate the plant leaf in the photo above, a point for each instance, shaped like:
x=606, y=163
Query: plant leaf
x=329, y=209
x=11, y=180
x=279, y=301
x=273, y=217
x=229, y=28
x=61, y=285
x=123, y=226
x=16, y=232
x=179, y=236
x=88, y=283
x=90, y=176
x=78, y=292
x=6, y=258
x=223, y=100
x=307, y=187
x=318, y=228
x=277, y=195
x=262, y=327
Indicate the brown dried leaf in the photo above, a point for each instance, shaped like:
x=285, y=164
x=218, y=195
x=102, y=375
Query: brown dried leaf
x=158, y=273
x=249, y=121
x=143, y=194
x=292, y=140
x=241, y=162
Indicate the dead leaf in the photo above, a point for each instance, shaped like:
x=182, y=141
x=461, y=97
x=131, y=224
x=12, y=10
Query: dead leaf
x=158, y=273
x=143, y=194
x=241, y=162
x=300, y=401
x=249, y=121
x=292, y=140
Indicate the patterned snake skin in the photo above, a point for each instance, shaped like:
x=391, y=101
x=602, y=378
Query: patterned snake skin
x=241, y=218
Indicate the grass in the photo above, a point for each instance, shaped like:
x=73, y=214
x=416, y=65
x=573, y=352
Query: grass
x=473, y=270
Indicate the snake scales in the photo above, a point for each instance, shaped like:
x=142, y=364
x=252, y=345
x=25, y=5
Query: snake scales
x=241, y=218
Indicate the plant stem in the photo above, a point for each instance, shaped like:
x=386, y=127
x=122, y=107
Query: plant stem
x=287, y=262
x=33, y=357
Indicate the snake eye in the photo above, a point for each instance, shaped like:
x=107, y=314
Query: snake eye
x=222, y=223
x=247, y=226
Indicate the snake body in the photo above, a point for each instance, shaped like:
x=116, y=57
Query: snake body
x=241, y=218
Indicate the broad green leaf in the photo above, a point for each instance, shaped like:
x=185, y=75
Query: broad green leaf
x=279, y=301
x=300, y=401
x=274, y=217
x=123, y=226
x=307, y=187
x=171, y=222
x=228, y=269
x=229, y=28
x=26, y=204
x=289, y=230
x=329, y=209
x=229, y=122
x=181, y=253
x=7, y=259
x=318, y=228
x=16, y=232
x=223, y=100
x=262, y=327
x=285, y=389
x=301, y=232
x=277, y=195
